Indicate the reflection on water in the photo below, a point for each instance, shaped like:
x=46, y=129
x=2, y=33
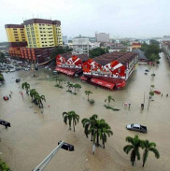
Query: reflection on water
x=34, y=134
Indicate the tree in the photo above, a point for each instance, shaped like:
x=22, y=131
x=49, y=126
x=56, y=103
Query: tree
x=33, y=94
x=39, y=99
x=108, y=100
x=71, y=116
x=70, y=86
x=152, y=51
x=87, y=123
x=76, y=86
x=60, y=50
x=3, y=166
x=26, y=86
x=98, y=131
x=88, y=92
x=104, y=132
x=134, y=147
x=97, y=52
x=149, y=146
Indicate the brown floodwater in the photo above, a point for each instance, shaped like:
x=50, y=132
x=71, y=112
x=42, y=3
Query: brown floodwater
x=33, y=134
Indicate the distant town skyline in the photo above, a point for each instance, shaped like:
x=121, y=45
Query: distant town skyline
x=119, y=18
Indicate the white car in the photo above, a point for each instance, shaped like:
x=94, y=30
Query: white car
x=26, y=69
x=12, y=70
x=137, y=127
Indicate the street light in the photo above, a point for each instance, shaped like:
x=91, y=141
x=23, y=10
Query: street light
x=44, y=163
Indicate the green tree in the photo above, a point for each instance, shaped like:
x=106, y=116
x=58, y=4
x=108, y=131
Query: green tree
x=33, y=94
x=60, y=50
x=109, y=99
x=88, y=92
x=152, y=51
x=70, y=117
x=76, y=87
x=104, y=132
x=39, y=99
x=97, y=52
x=149, y=146
x=26, y=86
x=87, y=123
x=70, y=86
x=3, y=166
x=134, y=147
x=98, y=131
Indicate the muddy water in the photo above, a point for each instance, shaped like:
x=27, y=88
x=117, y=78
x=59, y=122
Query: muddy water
x=34, y=134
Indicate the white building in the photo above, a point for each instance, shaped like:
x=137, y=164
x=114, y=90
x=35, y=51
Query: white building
x=81, y=45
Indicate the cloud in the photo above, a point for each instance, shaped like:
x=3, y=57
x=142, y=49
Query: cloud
x=122, y=17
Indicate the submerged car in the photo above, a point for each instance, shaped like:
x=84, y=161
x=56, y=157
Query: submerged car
x=137, y=127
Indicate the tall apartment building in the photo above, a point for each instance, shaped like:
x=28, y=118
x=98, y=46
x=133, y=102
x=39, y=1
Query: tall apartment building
x=34, y=39
x=102, y=37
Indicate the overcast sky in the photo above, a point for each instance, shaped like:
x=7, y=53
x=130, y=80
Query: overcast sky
x=119, y=18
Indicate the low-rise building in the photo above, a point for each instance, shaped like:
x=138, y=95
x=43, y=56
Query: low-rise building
x=110, y=70
x=70, y=64
x=136, y=45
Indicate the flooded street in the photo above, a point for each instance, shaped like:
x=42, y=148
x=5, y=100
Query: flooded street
x=33, y=134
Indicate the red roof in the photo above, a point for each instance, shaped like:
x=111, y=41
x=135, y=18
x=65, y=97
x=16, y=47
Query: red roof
x=136, y=44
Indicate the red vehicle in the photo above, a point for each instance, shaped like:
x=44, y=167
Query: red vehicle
x=157, y=92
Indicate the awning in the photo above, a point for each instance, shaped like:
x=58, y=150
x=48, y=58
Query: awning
x=102, y=83
x=83, y=78
x=65, y=71
x=122, y=84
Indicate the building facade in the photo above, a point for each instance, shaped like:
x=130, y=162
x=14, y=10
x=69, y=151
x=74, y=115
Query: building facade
x=136, y=45
x=102, y=37
x=70, y=64
x=34, y=39
x=81, y=45
x=110, y=70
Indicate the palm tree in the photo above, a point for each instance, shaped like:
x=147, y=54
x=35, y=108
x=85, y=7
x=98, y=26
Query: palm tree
x=108, y=100
x=76, y=86
x=69, y=85
x=97, y=130
x=60, y=82
x=39, y=100
x=26, y=86
x=104, y=132
x=71, y=116
x=135, y=145
x=33, y=93
x=88, y=92
x=87, y=123
x=149, y=146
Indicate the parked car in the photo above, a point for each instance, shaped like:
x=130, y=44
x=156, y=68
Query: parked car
x=137, y=127
x=12, y=70
x=18, y=80
x=26, y=69
x=67, y=146
x=54, y=72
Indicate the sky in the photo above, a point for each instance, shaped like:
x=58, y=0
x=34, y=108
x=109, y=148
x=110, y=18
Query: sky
x=119, y=18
